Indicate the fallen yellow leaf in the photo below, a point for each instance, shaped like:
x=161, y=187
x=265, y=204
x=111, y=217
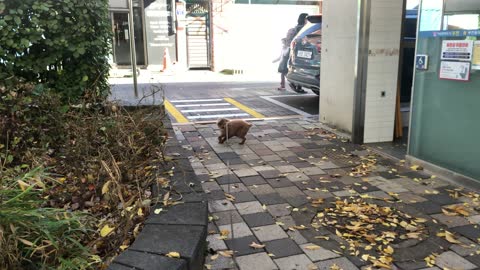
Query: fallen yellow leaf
x=256, y=246
x=312, y=247
x=173, y=254
x=23, y=185
x=106, y=230
x=106, y=187
x=226, y=253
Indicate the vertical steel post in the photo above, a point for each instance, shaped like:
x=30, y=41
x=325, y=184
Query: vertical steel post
x=361, y=67
x=133, y=55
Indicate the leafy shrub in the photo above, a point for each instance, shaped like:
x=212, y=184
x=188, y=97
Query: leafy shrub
x=32, y=237
x=102, y=159
x=64, y=44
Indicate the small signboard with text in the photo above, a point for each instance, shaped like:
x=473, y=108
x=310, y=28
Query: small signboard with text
x=457, y=71
x=459, y=50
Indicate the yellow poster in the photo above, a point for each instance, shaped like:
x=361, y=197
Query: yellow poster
x=476, y=55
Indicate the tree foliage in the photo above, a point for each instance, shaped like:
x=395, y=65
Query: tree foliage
x=62, y=44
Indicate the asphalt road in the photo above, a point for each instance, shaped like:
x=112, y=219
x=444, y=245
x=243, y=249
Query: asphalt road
x=205, y=101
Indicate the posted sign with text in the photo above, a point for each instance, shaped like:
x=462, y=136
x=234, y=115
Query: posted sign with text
x=460, y=50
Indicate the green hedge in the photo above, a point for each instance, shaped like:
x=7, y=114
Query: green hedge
x=63, y=44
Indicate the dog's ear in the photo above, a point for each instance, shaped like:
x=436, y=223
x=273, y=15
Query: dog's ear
x=222, y=122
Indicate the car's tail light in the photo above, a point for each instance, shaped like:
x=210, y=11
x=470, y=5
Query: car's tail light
x=319, y=47
x=292, y=45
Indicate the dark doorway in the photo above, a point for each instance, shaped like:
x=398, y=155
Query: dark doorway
x=121, y=38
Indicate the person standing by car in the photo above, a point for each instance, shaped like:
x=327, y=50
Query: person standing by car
x=292, y=32
x=282, y=66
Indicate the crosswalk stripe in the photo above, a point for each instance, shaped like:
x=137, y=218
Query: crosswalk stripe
x=244, y=108
x=217, y=116
x=210, y=110
x=195, y=100
x=175, y=113
x=203, y=105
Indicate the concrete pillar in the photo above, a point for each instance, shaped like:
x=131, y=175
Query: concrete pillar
x=360, y=53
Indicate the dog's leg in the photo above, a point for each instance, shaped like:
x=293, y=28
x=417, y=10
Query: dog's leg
x=243, y=140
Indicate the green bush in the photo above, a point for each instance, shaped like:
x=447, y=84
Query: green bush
x=62, y=44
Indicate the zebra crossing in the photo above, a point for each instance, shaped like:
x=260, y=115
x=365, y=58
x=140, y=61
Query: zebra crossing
x=191, y=110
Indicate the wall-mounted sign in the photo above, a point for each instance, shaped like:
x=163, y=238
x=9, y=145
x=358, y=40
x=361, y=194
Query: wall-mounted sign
x=460, y=50
x=457, y=71
x=421, y=62
x=476, y=55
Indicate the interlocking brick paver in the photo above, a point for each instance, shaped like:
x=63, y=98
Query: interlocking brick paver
x=249, y=207
x=451, y=260
x=472, y=232
x=227, y=217
x=245, y=172
x=241, y=246
x=342, y=263
x=243, y=196
x=258, y=219
x=288, y=163
x=269, y=233
x=312, y=171
x=270, y=174
x=408, y=197
x=261, y=189
x=280, y=182
x=258, y=261
x=294, y=262
x=232, y=188
x=295, y=177
x=451, y=221
x=253, y=180
x=239, y=230
x=466, y=248
x=317, y=253
x=220, y=263
x=287, y=169
x=297, y=237
x=219, y=206
x=282, y=248
x=270, y=198
x=263, y=168
x=209, y=186
x=215, y=243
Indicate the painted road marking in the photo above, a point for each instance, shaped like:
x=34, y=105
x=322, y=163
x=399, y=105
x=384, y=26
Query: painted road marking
x=195, y=100
x=295, y=110
x=244, y=108
x=210, y=110
x=217, y=116
x=175, y=113
x=203, y=105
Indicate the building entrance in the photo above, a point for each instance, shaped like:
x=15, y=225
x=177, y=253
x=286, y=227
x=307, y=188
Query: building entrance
x=121, y=38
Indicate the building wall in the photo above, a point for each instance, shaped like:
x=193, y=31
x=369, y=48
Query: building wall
x=337, y=76
x=382, y=74
x=157, y=36
x=248, y=37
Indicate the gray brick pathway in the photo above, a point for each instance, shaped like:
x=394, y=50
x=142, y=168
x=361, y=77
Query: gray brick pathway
x=290, y=170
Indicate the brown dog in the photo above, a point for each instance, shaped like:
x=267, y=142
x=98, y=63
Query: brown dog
x=236, y=127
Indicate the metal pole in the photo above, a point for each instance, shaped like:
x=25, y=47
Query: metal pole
x=133, y=55
x=361, y=66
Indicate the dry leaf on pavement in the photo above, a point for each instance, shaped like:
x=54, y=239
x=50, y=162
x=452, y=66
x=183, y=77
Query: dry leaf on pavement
x=256, y=246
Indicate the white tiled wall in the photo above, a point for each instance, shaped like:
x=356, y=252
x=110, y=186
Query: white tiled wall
x=384, y=45
x=337, y=75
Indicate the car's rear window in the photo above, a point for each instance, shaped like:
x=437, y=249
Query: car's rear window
x=308, y=29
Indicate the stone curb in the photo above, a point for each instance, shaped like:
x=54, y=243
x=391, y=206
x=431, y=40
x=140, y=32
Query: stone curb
x=180, y=228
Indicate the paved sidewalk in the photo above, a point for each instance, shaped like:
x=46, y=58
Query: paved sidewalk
x=309, y=200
